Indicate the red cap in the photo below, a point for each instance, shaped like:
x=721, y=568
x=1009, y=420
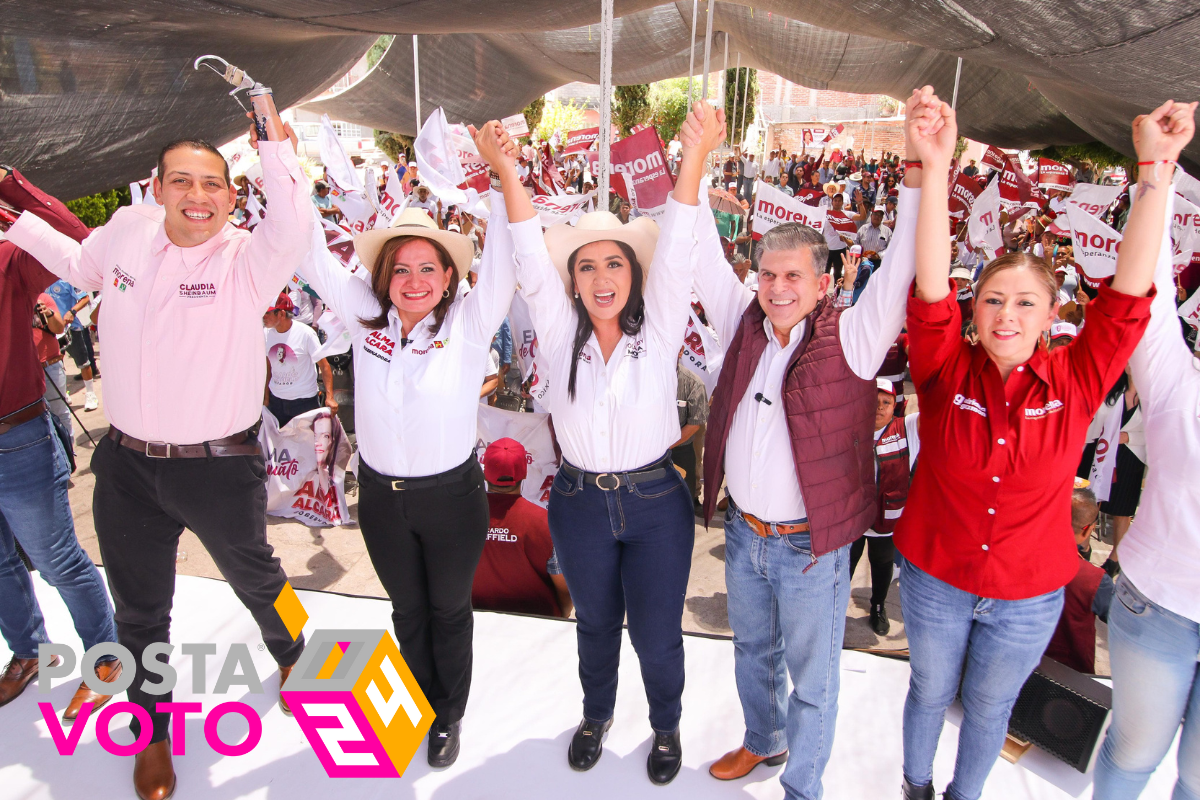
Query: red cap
x=282, y=303
x=505, y=462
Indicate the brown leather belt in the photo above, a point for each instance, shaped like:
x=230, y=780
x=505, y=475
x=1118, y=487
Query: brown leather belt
x=229, y=446
x=763, y=529
x=22, y=415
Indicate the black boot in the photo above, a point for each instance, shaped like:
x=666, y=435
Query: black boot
x=912, y=792
x=587, y=744
x=443, y=743
x=666, y=757
x=879, y=620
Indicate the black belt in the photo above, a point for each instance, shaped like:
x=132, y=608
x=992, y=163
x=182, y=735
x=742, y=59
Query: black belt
x=455, y=475
x=240, y=444
x=22, y=415
x=611, y=481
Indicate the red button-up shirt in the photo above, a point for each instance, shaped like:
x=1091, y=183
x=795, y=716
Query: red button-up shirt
x=22, y=279
x=989, y=511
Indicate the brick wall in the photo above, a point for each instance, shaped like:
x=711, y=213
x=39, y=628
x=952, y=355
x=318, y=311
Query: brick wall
x=875, y=138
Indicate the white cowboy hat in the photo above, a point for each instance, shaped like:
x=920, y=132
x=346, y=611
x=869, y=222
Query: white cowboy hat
x=415, y=222
x=599, y=226
x=857, y=176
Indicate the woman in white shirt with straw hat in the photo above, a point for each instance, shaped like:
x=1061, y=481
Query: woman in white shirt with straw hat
x=620, y=515
x=420, y=353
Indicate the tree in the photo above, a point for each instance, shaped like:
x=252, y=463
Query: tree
x=631, y=106
x=97, y=209
x=378, y=49
x=533, y=113
x=740, y=81
x=668, y=107
x=1098, y=154
x=393, y=144
x=561, y=117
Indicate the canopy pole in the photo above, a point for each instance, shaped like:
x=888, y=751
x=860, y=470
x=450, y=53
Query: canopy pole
x=737, y=79
x=957, y=75
x=606, y=34
x=692, y=52
x=724, y=70
x=417, y=82
x=707, y=48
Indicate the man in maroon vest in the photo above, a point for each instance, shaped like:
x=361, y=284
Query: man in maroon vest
x=896, y=448
x=791, y=428
x=1088, y=595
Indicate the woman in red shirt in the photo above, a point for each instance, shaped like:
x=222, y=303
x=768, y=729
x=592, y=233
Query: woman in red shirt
x=986, y=534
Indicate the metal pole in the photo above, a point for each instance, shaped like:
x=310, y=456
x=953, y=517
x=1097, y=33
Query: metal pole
x=58, y=391
x=957, y=75
x=606, y=33
x=692, y=51
x=417, y=83
x=707, y=48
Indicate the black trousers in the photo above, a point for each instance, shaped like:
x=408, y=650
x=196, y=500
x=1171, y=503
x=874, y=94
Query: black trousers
x=285, y=410
x=141, y=505
x=881, y=553
x=425, y=545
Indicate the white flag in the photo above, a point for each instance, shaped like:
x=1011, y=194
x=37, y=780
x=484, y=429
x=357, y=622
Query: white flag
x=553, y=209
x=1190, y=310
x=533, y=432
x=1105, y=459
x=1185, y=232
x=983, y=226
x=1095, y=245
x=702, y=355
x=773, y=207
x=533, y=372
x=442, y=151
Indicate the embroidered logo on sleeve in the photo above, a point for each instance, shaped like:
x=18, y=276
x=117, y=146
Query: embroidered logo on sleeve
x=122, y=280
x=1049, y=408
x=970, y=404
x=379, y=345
x=196, y=291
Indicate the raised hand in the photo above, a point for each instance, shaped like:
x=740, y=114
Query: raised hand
x=931, y=128
x=703, y=130
x=1163, y=133
x=849, y=269
x=494, y=144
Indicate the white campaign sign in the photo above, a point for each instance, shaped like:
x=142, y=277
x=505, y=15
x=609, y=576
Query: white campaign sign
x=1095, y=245
x=1185, y=232
x=1101, y=474
x=773, y=207
x=533, y=432
x=533, y=373
x=306, y=467
x=983, y=226
x=555, y=208
x=702, y=355
x=516, y=125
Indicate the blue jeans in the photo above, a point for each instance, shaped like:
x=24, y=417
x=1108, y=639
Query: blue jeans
x=34, y=511
x=787, y=609
x=627, y=551
x=1153, y=653
x=988, y=646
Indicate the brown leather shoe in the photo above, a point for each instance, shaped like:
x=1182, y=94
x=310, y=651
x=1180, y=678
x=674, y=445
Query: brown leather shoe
x=738, y=763
x=107, y=671
x=17, y=675
x=153, y=775
x=284, y=672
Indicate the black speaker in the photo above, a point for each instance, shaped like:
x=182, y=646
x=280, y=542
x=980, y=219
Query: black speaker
x=1062, y=711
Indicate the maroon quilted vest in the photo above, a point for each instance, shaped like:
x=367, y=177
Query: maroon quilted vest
x=830, y=417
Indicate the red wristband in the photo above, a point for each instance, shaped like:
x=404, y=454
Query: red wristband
x=909, y=164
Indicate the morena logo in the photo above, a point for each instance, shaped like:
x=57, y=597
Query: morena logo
x=336, y=692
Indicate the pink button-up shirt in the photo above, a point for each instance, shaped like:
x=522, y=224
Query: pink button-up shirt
x=184, y=354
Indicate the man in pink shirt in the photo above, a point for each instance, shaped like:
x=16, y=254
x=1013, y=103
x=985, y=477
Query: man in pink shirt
x=185, y=292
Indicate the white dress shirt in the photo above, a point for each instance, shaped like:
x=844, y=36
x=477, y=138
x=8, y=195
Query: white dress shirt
x=416, y=405
x=760, y=470
x=624, y=414
x=1161, y=551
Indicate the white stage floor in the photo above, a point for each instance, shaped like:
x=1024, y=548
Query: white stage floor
x=525, y=704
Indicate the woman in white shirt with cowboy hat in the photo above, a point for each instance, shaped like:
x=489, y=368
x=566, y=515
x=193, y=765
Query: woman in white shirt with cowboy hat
x=420, y=353
x=620, y=515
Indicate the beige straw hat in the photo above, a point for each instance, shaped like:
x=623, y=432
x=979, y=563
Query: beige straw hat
x=416, y=222
x=598, y=226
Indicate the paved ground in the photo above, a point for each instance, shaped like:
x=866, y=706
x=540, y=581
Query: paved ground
x=335, y=559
